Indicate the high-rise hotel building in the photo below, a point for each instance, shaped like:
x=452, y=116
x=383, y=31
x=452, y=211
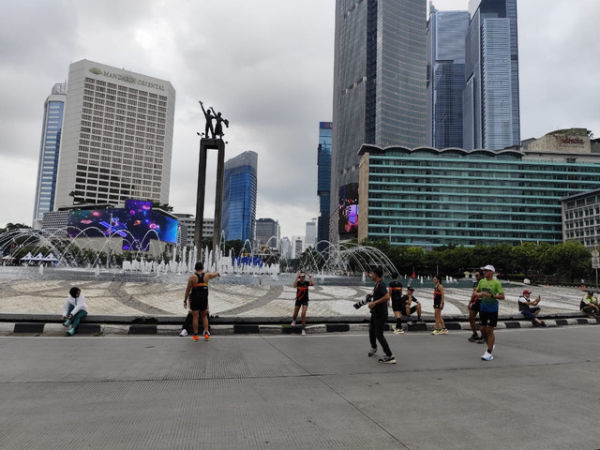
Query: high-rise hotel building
x=49, y=151
x=116, y=137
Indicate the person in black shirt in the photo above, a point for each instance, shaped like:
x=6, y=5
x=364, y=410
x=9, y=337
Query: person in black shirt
x=474, y=305
x=395, y=291
x=301, y=286
x=407, y=304
x=379, y=315
x=196, y=292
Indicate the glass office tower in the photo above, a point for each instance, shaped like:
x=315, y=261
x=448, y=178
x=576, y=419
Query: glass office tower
x=446, y=34
x=239, y=197
x=49, y=151
x=379, y=83
x=491, y=97
x=429, y=198
x=324, y=181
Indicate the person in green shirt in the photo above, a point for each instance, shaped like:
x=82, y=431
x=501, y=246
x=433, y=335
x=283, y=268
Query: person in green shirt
x=489, y=290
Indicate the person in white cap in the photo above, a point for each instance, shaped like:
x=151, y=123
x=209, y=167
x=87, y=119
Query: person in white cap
x=489, y=290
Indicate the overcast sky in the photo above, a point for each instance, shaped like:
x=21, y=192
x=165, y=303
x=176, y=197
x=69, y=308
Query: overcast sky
x=268, y=65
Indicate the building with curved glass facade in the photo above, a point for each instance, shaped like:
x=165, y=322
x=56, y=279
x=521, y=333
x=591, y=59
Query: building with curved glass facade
x=239, y=197
x=427, y=197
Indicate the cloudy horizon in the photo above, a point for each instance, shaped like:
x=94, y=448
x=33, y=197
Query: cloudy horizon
x=269, y=68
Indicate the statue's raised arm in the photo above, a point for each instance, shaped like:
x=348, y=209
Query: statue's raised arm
x=209, y=116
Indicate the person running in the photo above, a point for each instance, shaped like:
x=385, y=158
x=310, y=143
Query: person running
x=474, y=305
x=301, y=285
x=489, y=291
x=439, y=297
x=407, y=304
x=197, y=293
x=74, y=310
x=379, y=314
x=395, y=291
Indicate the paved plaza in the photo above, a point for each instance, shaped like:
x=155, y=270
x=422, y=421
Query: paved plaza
x=290, y=392
x=228, y=297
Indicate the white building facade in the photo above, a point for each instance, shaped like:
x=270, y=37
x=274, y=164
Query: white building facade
x=117, y=136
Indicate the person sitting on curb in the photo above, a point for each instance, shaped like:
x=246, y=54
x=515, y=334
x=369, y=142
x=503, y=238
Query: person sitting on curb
x=529, y=308
x=75, y=309
x=589, y=305
x=411, y=305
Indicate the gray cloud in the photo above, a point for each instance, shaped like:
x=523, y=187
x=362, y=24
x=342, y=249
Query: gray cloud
x=267, y=64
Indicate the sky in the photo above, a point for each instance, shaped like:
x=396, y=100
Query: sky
x=267, y=65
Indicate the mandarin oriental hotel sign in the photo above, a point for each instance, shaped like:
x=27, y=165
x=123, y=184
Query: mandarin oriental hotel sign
x=127, y=78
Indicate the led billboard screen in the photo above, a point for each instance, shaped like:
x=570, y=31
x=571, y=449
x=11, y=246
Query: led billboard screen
x=348, y=211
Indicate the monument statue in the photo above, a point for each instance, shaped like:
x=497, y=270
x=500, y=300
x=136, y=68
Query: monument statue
x=216, y=131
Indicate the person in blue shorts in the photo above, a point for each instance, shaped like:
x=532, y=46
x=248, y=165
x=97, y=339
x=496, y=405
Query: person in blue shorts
x=489, y=290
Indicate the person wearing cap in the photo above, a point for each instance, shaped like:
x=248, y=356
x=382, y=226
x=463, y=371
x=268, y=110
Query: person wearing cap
x=407, y=304
x=489, y=290
x=301, y=285
x=529, y=308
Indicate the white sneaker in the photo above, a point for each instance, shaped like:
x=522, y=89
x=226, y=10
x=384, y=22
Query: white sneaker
x=293, y=324
x=398, y=331
x=183, y=333
x=303, y=331
x=487, y=356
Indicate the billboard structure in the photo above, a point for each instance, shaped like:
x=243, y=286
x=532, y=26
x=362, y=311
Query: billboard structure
x=137, y=224
x=348, y=211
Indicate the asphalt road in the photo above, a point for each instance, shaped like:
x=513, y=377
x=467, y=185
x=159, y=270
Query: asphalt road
x=290, y=392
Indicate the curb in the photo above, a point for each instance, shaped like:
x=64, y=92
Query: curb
x=98, y=329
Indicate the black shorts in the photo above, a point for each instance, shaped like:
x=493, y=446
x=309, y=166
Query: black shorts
x=476, y=305
x=437, y=304
x=412, y=310
x=199, y=304
x=397, y=305
x=303, y=302
x=488, y=319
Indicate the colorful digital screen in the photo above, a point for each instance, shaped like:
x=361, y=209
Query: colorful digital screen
x=348, y=211
x=137, y=224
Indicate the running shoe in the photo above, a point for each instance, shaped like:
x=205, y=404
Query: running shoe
x=474, y=338
x=183, y=333
x=372, y=352
x=487, y=356
x=387, y=360
x=435, y=332
x=293, y=324
x=303, y=331
x=195, y=338
x=206, y=335
x=71, y=331
x=398, y=331
x=443, y=331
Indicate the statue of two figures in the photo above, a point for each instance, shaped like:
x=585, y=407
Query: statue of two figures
x=216, y=130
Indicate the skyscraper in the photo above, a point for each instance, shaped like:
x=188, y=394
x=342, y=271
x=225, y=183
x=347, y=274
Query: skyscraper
x=239, y=196
x=117, y=136
x=491, y=97
x=324, y=181
x=379, y=83
x=49, y=151
x=267, y=233
x=310, y=235
x=446, y=34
